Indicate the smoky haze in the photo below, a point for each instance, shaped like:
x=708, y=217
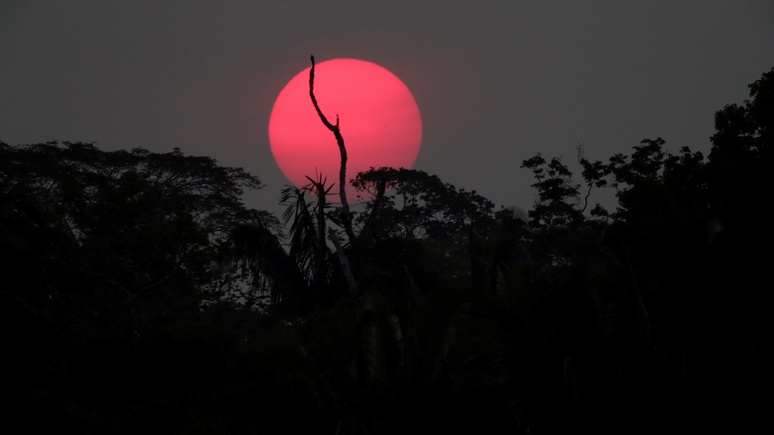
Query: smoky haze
x=496, y=83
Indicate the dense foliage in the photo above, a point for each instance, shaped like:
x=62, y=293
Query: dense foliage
x=132, y=299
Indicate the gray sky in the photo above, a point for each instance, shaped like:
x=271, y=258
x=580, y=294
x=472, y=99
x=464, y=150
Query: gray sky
x=496, y=81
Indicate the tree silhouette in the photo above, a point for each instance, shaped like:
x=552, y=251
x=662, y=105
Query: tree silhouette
x=120, y=313
x=410, y=203
x=140, y=223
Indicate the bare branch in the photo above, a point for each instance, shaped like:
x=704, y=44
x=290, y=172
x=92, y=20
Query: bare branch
x=347, y=216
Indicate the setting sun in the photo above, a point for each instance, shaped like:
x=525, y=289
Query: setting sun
x=379, y=119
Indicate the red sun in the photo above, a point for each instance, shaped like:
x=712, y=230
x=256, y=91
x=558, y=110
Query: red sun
x=379, y=120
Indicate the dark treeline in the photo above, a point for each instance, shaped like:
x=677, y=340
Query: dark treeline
x=140, y=295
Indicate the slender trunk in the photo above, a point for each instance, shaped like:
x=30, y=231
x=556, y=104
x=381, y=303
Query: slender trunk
x=321, y=246
x=366, y=232
x=345, y=267
x=347, y=216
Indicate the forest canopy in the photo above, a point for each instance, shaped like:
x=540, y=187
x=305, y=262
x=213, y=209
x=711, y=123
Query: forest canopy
x=142, y=294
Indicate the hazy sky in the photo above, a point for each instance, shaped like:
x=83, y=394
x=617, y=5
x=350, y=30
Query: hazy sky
x=496, y=81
